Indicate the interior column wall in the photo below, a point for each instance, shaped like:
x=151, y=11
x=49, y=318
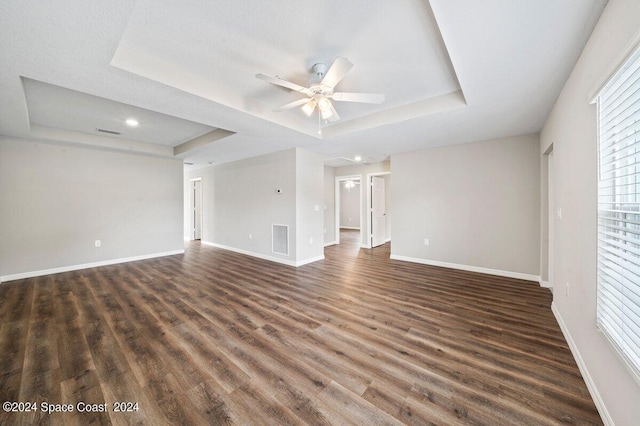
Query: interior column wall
x=309, y=206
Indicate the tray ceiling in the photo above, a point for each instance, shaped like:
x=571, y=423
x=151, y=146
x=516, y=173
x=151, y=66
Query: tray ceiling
x=453, y=71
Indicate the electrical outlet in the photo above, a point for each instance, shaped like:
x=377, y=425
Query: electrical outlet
x=559, y=214
x=426, y=241
x=310, y=240
x=251, y=236
x=325, y=230
x=316, y=208
x=567, y=289
x=98, y=243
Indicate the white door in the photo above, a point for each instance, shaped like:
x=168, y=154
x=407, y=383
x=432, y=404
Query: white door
x=197, y=210
x=378, y=219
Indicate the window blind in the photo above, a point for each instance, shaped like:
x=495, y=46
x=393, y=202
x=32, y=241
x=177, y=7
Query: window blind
x=618, y=311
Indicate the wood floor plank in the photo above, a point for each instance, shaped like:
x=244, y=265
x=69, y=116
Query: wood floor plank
x=216, y=337
x=74, y=356
x=85, y=388
x=16, y=301
x=350, y=406
x=40, y=379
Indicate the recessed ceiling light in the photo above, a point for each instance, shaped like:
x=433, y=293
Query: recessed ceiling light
x=131, y=122
x=358, y=158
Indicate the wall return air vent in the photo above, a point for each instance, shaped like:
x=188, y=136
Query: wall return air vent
x=280, y=239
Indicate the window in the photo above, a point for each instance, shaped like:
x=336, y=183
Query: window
x=619, y=211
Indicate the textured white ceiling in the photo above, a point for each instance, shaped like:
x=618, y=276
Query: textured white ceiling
x=509, y=58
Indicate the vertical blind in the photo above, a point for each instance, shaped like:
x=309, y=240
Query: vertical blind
x=618, y=311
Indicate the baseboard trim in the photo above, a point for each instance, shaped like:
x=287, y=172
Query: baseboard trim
x=263, y=256
x=545, y=284
x=42, y=272
x=387, y=240
x=310, y=260
x=591, y=386
x=332, y=243
x=498, y=272
x=350, y=227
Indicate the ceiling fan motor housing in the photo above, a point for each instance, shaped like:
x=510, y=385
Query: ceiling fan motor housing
x=317, y=72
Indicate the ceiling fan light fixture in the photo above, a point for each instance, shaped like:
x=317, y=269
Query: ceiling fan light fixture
x=309, y=107
x=327, y=114
x=325, y=105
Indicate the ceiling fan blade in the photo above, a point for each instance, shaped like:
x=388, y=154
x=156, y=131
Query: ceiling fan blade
x=292, y=104
x=284, y=83
x=338, y=70
x=367, y=98
x=334, y=114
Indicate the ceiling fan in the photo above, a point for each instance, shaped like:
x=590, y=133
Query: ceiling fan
x=320, y=92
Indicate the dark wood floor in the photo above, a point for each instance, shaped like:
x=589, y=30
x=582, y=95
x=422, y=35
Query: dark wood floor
x=215, y=337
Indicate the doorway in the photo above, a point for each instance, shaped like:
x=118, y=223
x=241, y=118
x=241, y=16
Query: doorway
x=378, y=203
x=378, y=212
x=195, y=216
x=348, y=207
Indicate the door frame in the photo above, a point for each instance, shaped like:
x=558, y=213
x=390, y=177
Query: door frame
x=338, y=180
x=192, y=207
x=551, y=214
x=369, y=224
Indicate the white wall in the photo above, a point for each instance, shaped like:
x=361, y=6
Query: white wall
x=477, y=203
x=207, y=175
x=572, y=130
x=362, y=170
x=329, y=206
x=350, y=206
x=246, y=202
x=56, y=200
x=309, y=206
